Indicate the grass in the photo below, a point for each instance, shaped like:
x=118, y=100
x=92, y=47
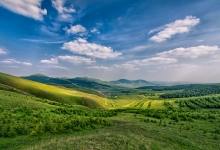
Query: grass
x=129, y=131
x=37, y=116
x=11, y=100
x=53, y=93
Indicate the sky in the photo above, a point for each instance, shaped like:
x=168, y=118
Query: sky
x=154, y=40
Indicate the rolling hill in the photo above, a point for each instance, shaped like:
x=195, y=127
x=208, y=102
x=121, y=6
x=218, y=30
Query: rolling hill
x=90, y=83
x=50, y=92
x=83, y=84
x=41, y=116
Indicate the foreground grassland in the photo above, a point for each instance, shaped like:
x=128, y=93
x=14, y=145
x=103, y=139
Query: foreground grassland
x=129, y=131
x=28, y=122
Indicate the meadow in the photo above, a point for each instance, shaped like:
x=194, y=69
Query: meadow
x=37, y=116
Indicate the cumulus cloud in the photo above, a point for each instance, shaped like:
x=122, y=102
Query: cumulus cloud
x=190, y=52
x=63, y=11
x=76, y=59
x=176, y=27
x=28, y=8
x=13, y=61
x=51, y=61
x=169, y=59
x=3, y=51
x=83, y=47
x=99, y=68
x=75, y=29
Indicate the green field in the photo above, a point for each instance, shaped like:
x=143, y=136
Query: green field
x=39, y=116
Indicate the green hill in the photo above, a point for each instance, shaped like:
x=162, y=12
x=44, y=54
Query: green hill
x=39, y=116
x=132, y=83
x=50, y=92
x=63, y=82
x=83, y=84
x=90, y=85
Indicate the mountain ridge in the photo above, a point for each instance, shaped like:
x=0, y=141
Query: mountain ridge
x=86, y=81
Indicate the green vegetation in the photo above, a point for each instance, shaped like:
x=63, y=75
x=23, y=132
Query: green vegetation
x=53, y=93
x=39, y=116
x=201, y=91
x=24, y=115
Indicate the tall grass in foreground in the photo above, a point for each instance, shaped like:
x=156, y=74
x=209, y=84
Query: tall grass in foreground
x=24, y=120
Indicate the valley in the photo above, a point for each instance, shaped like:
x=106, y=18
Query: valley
x=52, y=116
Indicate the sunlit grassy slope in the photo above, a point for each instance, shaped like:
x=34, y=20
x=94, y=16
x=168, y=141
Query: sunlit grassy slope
x=51, y=92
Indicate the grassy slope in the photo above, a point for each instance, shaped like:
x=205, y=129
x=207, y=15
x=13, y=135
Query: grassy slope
x=60, y=82
x=11, y=100
x=129, y=131
x=53, y=93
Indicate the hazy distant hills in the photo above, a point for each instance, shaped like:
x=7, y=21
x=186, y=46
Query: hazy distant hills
x=99, y=87
x=132, y=83
x=90, y=82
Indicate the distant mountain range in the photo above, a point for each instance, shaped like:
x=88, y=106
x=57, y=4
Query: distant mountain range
x=132, y=83
x=90, y=82
x=99, y=87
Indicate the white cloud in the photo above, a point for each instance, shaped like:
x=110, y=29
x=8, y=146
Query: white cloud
x=157, y=60
x=94, y=30
x=139, y=48
x=99, y=68
x=190, y=52
x=126, y=66
x=75, y=29
x=27, y=63
x=179, y=66
x=153, y=61
x=13, y=61
x=28, y=8
x=51, y=61
x=176, y=27
x=43, y=41
x=156, y=30
x=3, y=51
x=49, y=67
x=200, y=40
x=63, y=11
x=83, y=47
x=132, y=65
x=76, y=59
x=9, y=61
x=215, y=58
x=60, y=67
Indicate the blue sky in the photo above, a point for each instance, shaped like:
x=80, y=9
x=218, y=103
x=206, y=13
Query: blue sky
x=163, y=40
